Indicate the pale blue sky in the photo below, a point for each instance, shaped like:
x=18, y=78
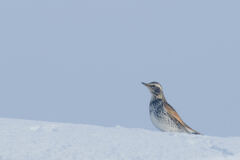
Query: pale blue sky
x=83, y=61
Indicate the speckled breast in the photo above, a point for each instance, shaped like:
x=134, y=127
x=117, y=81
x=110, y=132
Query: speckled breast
x=161, y=119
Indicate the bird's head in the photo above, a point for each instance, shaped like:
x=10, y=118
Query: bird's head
x=155, y=89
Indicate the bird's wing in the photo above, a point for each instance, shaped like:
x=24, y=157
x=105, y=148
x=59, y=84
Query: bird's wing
x=171, y=111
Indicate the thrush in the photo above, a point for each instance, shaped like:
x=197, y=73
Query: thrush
x=162, y=114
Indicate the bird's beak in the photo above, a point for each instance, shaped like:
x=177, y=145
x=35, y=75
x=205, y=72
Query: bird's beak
x=145, y=84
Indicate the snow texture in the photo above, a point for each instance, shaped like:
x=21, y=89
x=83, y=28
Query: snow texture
x=34, y=140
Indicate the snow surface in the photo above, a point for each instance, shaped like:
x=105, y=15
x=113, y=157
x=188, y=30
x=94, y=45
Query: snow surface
x=34, y=140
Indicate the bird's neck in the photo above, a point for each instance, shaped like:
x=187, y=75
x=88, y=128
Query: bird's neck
x=155, y=101
x=158, y=97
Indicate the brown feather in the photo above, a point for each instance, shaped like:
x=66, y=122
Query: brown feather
x=171, y=111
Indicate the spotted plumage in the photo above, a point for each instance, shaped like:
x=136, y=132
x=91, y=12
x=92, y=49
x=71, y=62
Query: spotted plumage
x=162, y=114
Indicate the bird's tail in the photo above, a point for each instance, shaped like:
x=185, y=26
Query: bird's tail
x=192, y=131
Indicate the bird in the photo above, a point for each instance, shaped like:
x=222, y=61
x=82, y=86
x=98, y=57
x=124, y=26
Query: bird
x=162, y=114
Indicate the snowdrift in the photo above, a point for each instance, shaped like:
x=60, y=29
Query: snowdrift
x=34, y=140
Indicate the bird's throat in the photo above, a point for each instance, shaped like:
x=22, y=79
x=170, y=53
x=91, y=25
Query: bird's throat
x=158, y=96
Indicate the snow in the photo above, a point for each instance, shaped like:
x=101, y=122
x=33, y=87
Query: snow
x=34, y=140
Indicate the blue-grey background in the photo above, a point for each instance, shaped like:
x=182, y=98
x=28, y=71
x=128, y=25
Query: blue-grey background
x=83, y=61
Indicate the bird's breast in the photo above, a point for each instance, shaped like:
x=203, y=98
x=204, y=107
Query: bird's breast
x=161, y=119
